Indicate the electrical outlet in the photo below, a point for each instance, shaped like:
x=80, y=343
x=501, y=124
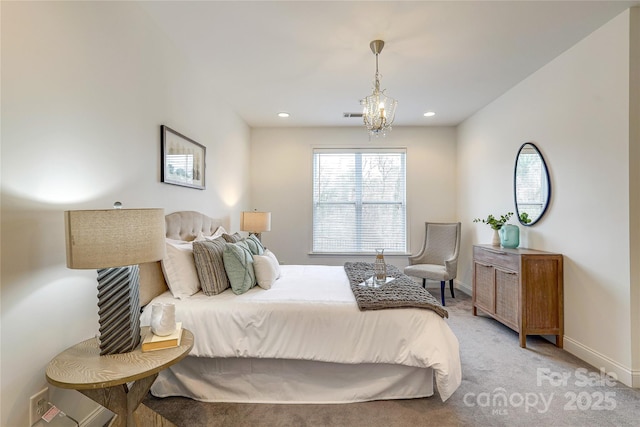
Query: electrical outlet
x=38, y=405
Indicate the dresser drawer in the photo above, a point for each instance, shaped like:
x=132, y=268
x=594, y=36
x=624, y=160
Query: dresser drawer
x=497, y=258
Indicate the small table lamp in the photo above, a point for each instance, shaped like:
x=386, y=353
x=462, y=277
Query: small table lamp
x=114, y=242
x=255, y=222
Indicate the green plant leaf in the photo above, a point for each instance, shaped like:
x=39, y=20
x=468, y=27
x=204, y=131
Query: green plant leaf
x=493, y=222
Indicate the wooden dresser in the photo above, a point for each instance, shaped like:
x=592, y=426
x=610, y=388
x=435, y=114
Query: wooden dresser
x=521, y=288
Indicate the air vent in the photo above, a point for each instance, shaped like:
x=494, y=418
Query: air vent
x=350, y=115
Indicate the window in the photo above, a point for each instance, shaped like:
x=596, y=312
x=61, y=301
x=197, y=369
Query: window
x=359, y=201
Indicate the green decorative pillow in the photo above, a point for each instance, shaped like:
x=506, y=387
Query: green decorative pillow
x=255, y=245
x=238, y=263
x=210, y=266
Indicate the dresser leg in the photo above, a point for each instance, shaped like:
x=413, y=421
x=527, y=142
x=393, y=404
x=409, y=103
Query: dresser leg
x=523, y=340
x=559, y=341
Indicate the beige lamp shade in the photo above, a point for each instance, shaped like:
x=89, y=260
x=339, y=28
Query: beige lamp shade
x=255, y=222
x=113, y=237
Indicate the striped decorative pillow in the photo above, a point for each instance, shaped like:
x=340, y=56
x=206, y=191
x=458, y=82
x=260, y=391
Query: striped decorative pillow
x=210, y=266
x=232, y=238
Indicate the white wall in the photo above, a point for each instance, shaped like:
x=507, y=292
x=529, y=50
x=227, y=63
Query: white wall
x=634, y=195
x=85, y=88
x=281, y=182
x=576, y=110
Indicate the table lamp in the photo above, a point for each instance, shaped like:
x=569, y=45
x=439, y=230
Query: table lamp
x=255, y=222
x=114, y=242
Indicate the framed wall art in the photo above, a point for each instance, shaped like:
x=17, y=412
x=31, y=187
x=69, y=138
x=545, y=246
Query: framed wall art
x=183, y=159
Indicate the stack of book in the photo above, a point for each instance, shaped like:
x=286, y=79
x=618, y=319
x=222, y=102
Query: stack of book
x=154, y=342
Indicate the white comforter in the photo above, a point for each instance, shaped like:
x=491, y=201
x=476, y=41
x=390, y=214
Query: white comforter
x=310, y=313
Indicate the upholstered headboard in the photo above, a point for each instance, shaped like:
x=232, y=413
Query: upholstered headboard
x=184, y=225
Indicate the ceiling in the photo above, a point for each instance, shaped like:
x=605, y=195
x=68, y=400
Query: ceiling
x=312, y=58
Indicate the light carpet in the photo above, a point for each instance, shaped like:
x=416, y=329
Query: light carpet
x=503, y=385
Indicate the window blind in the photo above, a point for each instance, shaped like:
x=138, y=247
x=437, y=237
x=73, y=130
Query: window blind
x=359, y=200
x=531, y=183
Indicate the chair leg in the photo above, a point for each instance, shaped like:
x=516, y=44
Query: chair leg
x=451, y=287
x=442, y=291
x=424, y=283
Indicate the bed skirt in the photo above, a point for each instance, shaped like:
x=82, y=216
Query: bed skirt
x=246, y=380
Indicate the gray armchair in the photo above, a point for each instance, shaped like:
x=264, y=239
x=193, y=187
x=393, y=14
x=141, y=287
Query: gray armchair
x=438, y=259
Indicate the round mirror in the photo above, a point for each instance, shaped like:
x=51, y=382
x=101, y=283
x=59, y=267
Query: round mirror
x=531, y=185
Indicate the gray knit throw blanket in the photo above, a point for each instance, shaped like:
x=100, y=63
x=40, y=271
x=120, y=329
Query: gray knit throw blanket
x=402, y=292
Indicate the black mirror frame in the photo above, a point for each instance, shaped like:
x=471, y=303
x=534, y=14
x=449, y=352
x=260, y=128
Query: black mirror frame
x=546, y=171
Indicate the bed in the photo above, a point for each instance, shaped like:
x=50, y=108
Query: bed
x=303, y=340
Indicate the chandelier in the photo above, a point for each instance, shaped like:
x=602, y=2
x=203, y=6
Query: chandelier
x=379, y=109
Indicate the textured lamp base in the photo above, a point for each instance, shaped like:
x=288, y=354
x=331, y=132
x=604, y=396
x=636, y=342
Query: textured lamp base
x=118, y=309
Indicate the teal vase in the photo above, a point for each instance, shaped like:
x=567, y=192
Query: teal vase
x=509, y=236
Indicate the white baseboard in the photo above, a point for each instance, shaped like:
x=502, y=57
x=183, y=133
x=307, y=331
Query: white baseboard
x=623, y=374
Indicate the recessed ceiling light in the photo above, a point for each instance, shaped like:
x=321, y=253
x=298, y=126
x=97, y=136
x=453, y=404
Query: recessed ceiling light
x=429, y=114
x=283, y=114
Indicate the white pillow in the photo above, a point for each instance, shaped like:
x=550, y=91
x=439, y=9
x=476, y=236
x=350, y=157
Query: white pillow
x=266, y=270
x=179, y=269
x=271, y=255
x=218, y=233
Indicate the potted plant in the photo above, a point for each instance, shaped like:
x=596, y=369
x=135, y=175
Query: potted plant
x=496, y=224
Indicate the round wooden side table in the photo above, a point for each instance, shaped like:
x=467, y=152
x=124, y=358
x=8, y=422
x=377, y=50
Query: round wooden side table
x=104, y=378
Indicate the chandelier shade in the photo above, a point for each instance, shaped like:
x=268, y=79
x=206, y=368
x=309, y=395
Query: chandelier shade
x=379, y=109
